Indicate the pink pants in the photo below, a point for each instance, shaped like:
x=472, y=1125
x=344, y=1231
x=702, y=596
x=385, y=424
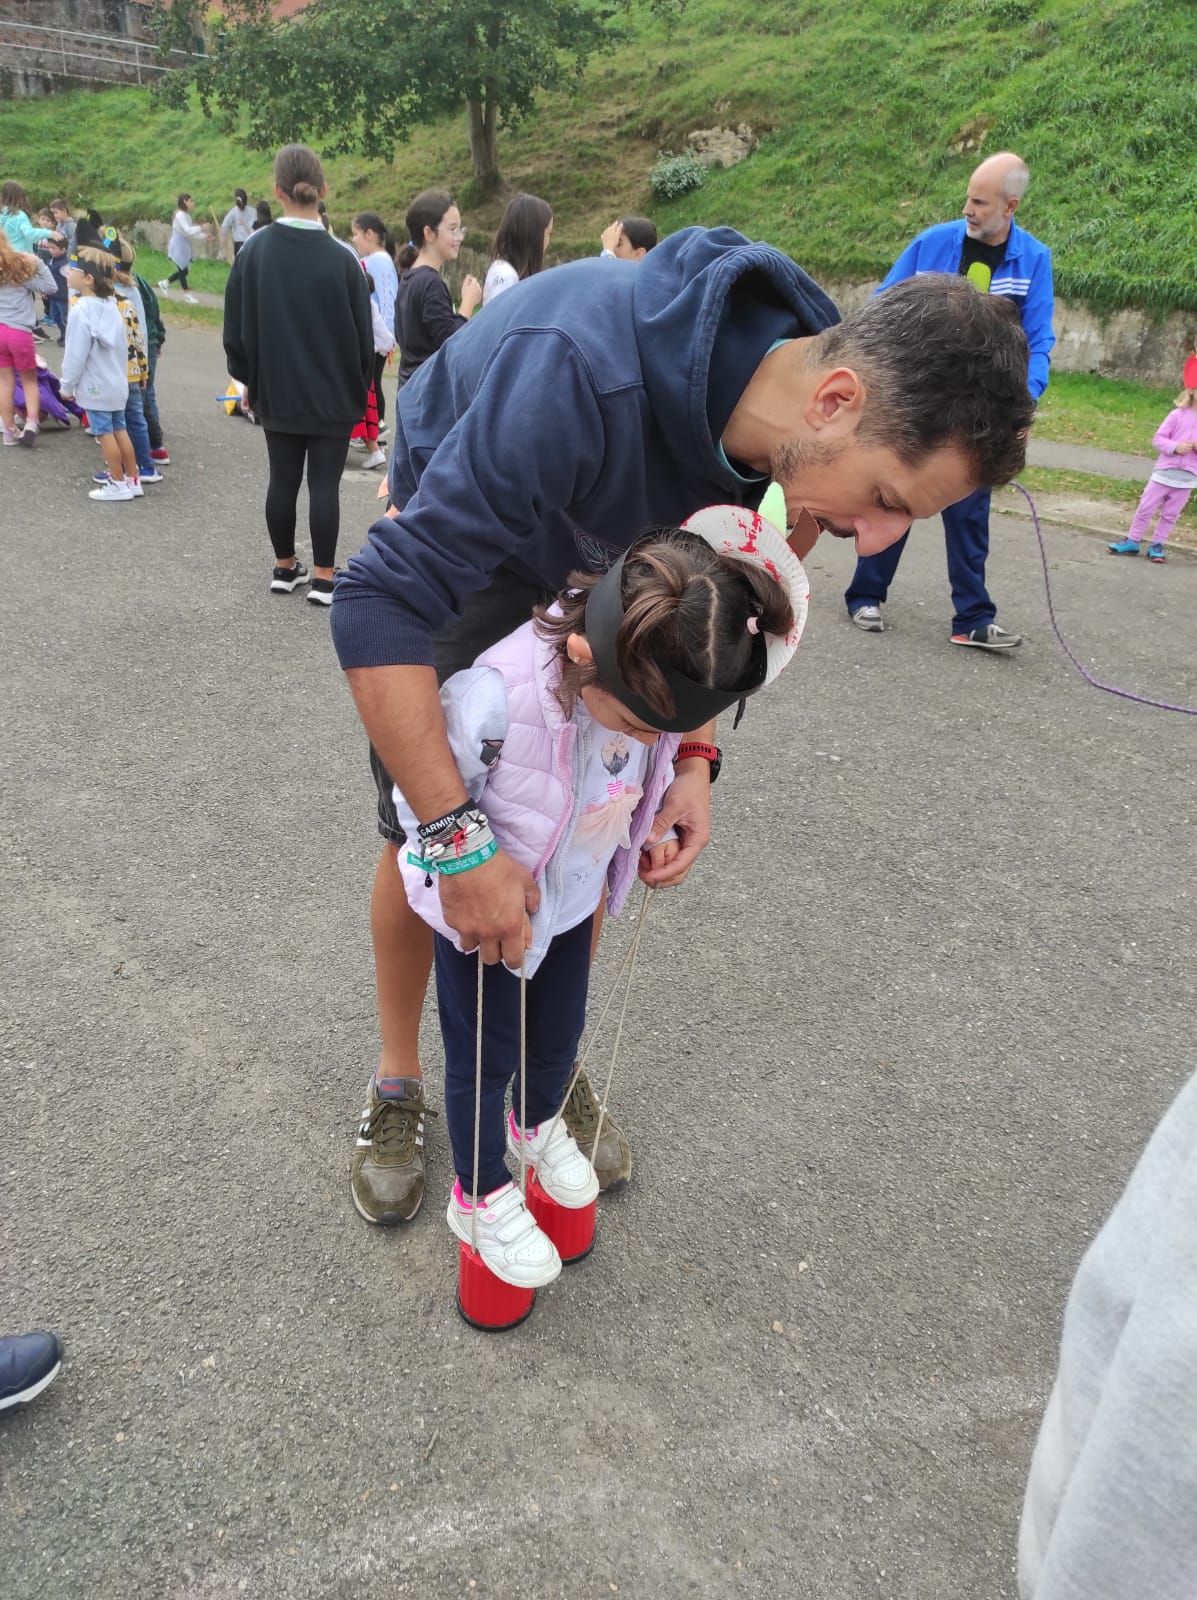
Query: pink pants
x=1168, y=502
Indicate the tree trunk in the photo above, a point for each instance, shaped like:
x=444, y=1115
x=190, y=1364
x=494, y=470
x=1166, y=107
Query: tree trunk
x=482, y=118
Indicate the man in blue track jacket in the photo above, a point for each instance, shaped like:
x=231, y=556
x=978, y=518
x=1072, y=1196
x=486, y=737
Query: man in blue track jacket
x=987, y=247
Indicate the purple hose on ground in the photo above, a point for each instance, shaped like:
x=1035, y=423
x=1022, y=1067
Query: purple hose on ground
x=1110, y=688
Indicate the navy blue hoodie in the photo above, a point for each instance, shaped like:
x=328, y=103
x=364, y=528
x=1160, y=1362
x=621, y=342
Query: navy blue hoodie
x=578, y=409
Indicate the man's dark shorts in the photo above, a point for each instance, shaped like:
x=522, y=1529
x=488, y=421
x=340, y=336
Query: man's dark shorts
x=487, y=618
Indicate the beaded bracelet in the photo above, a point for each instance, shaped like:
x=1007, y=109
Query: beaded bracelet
x=450, y=822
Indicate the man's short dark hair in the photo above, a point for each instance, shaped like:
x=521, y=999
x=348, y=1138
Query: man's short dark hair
x=942, y=364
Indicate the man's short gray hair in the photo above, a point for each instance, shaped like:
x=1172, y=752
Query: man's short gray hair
x=1016, y=181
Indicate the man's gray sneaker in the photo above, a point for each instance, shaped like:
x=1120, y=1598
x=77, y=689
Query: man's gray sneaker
x=612, y=1161
x=386, y=1175
x=869, y=618
x=990, y=637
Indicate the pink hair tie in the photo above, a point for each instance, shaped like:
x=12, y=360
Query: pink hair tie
x=754, y=623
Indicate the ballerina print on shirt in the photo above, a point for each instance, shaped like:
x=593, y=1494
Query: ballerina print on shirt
x=605, y=822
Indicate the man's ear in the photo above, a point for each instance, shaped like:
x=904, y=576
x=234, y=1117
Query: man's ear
x=835, y=403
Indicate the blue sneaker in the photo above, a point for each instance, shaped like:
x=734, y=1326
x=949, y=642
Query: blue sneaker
x=1155, y=552
x=28, y=1363
x=1124, y=547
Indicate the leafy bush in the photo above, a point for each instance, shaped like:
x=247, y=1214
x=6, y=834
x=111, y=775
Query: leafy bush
x=675, y=175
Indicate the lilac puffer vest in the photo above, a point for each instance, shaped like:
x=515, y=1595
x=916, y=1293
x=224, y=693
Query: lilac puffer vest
x=530, y=791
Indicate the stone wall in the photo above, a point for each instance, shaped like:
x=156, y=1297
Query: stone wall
x=1115, y=344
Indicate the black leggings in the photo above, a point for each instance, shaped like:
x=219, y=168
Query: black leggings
x=326, y=462
x=380, y=363
x=179, y=276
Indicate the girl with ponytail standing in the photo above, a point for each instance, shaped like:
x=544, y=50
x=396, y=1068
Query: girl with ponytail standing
x=424, y=314
x=298, y=335
x=374, y=245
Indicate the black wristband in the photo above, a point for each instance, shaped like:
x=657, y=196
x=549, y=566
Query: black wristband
x=449, y=822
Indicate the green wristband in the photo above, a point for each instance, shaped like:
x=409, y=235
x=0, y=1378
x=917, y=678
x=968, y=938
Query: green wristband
x=450, y=866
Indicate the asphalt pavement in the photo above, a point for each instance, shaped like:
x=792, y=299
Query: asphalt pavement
x=891, y=1056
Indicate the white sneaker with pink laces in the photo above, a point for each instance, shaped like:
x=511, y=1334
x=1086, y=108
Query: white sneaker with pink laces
x=510, y=1241
x=562, y=1171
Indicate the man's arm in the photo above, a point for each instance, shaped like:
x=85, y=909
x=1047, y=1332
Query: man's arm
x=904, y=267
x=1037, y=325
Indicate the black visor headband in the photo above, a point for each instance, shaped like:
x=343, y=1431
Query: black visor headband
x=694, y=703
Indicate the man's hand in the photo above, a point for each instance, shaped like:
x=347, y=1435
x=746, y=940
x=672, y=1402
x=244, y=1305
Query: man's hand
x=489, y=908
x=686, y=806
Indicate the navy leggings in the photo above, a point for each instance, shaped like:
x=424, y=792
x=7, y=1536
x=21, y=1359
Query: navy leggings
x=556, y=1013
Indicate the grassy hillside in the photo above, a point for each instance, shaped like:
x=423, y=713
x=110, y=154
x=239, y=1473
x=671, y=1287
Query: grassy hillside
x=866, y=112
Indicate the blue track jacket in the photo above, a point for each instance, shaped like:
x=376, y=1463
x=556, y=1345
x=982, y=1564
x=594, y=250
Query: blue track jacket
x=574, y=412
x=1025, y=276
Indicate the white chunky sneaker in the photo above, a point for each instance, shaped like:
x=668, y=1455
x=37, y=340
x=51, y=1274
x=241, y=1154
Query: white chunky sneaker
x=562, y=1171
x=869, y=618
x=510, y=1242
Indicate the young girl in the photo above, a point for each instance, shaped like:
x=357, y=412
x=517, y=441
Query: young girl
x=372, y=242
x=520, y=244
x=95, y=368
x=424, y=314
x=297, y=334
x=1170, y=484
x=565, y=734
x=365, y=435
x=263, y=216
x=15, y=223
x=22, y=277
x=238, y=221
x=184, y=234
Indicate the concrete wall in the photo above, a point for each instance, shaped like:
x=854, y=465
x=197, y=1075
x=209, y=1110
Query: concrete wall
x=1115, y=344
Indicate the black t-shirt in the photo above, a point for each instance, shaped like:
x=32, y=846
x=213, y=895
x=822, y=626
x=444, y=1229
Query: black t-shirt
x=979, y=261
x=424, y=318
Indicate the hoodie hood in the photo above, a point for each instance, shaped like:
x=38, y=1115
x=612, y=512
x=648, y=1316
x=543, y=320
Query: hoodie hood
x=726, y=300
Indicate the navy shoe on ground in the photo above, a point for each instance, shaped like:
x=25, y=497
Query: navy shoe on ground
x=28, y=1363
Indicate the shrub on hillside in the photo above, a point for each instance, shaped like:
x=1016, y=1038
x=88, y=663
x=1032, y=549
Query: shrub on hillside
x=675, y=175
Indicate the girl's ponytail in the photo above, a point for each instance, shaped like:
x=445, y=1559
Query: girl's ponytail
x=298, y=173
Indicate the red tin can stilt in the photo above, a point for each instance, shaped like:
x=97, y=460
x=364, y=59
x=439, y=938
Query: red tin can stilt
x=571, y=1231
x=484, y=1300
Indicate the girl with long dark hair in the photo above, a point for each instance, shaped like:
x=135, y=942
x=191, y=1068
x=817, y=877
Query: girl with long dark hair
x=520, y=244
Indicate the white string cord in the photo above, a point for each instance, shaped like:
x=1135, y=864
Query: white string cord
x=523, y=1077
x=477, y=1106
x=627, y=995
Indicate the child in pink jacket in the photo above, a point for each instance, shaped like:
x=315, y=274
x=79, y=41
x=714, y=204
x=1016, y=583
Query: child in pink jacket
x=564, y=734
x=1170, y=484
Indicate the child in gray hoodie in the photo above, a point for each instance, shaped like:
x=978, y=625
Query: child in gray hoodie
x=95, y=370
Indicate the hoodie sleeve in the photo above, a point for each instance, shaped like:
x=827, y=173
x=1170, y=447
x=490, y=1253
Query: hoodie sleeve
x=75, y=351
x=905, y=266
x=42, y=281
x=523, y=448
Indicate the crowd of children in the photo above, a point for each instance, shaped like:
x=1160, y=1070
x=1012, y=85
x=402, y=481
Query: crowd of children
x=108, y=321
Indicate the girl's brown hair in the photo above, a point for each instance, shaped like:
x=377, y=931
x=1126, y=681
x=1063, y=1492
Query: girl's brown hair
x=1183, y=399
x=298, y=173
x=685, y=606
x=427, y=210
x=13, y=197
x=98, y=265
x=15, y=266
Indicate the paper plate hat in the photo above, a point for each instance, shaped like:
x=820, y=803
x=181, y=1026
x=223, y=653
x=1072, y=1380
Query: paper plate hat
x=752, y=538
x=1190, y=373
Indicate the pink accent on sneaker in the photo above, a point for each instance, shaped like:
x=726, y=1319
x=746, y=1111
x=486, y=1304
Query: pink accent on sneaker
x=527, y=1133
x=464, y=1201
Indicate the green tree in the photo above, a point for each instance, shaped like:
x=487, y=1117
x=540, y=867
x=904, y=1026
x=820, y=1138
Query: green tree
x=357, y=74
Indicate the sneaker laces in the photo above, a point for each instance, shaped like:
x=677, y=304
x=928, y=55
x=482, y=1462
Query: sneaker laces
x=582, y=1109
x=392, y=1128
